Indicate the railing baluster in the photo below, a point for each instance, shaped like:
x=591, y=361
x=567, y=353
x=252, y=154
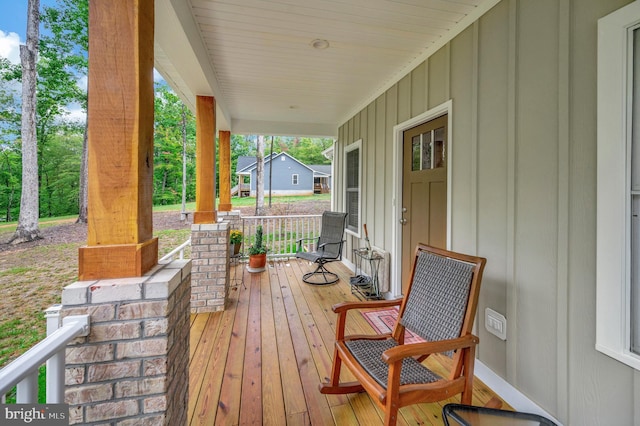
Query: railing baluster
x=23, y=371
x=281, y=233
x=55, y=364
x=27, y=392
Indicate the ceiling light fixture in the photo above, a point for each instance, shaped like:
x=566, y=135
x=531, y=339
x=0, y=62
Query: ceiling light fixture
x=319, y=44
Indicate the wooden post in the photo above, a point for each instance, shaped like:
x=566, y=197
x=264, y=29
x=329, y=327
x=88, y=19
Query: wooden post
x=120, y=240
x=205, y=160
x=224, y=144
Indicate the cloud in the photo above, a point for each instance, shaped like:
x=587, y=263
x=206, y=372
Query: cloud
x=83, y=82
x=156, y=76
x=75, y=113
x=10, y=46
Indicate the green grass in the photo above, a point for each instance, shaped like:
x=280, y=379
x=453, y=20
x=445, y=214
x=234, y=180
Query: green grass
x=17, y=335
x=172, y=238
x=250, y=201
x=42, y=388
x=14, y=271
x=34, y=278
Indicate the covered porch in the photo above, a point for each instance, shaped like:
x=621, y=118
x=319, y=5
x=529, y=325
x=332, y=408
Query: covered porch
x=260, y=361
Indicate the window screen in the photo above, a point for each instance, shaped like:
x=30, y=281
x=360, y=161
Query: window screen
x=352, y=201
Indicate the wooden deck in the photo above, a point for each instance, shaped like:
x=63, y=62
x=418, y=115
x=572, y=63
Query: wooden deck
x=261, y=360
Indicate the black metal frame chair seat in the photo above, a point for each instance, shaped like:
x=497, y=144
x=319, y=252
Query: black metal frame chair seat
x=469, y=415
x=328, y=248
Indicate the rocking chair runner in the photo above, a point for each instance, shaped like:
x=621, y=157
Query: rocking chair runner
x=439, y=306
x=328, y=248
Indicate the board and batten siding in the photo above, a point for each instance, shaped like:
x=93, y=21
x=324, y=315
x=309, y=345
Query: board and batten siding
x=522, y=82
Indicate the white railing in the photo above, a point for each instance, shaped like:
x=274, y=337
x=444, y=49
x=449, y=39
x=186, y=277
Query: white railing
x=280, y=233
x=23, y=371
x=178, y=251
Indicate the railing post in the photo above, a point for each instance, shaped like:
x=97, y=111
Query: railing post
x=55, y=364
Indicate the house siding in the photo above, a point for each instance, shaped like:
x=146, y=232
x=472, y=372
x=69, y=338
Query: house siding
x=522, y=80
x=282, y=177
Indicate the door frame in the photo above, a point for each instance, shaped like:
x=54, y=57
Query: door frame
x=396, y=229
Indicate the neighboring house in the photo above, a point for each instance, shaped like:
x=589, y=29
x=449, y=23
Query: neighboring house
x=321, y=178
x=289, y=176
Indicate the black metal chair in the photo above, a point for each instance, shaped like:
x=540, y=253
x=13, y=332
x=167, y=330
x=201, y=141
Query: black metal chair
x=328, y=248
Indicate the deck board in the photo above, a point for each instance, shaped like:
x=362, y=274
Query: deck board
x=261, y=360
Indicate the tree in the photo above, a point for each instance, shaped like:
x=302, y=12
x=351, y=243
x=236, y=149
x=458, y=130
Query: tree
x=309, y=150
x=260, y=176
x=183, y=213
x=28, y=229
x=10, y=160
x=69, y=42
x=170, y=131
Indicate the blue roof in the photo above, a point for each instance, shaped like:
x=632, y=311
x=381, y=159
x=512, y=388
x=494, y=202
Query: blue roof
x=246, y=164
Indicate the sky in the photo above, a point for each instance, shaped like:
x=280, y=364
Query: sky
x=13, y=30
x=13, y=26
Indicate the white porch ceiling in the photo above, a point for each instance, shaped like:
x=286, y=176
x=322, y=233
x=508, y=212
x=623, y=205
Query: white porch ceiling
x=256, y=56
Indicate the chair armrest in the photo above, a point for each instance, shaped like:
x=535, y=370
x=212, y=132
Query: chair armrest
x=330, y=243
x=398, y=353
x=300, y=241
x=343, y=308
x=373, y=304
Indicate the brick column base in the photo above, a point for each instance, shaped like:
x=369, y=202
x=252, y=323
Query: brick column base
x=133, y=368
x=210, y=257
x=233, y=218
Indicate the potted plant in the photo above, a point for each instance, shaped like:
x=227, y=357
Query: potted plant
x=235, y=240
x=257, y=253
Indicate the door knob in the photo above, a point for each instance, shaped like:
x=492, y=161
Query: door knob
x=403, y=221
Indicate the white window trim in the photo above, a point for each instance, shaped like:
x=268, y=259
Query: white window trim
x=353, y=146
x=295, y=179
x=613, y=281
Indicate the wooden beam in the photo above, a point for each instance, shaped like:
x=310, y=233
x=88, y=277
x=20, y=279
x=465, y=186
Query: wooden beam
x=120, y=240
x=205, y=160
x=224, y=144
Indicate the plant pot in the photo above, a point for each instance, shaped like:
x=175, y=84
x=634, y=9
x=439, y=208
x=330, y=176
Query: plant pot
x=257, y=262
x=234, y=249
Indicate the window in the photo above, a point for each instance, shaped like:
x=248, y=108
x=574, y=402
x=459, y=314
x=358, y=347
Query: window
x=618, y=205
x=352, y=173
x=428, y=150
x=294, y=179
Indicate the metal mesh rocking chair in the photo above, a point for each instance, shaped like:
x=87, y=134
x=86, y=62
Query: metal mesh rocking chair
x=439, y=306
x=328, y=248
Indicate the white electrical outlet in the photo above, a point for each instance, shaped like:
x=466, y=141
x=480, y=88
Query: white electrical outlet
x=495, y=323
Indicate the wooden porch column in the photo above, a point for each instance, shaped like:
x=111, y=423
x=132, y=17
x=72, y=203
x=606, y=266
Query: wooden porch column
x=120, y=240
x=224, y=143
x=205, y=160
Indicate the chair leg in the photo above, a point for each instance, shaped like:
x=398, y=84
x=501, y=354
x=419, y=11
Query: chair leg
x=467, y=392
x=325, y=276
x=391, y=415
x=334, y=386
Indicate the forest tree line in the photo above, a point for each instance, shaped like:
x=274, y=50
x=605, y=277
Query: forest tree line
x=61, y=81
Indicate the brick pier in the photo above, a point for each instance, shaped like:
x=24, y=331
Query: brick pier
x=133, y=368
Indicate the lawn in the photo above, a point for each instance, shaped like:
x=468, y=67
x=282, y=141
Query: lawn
x=32, y=279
